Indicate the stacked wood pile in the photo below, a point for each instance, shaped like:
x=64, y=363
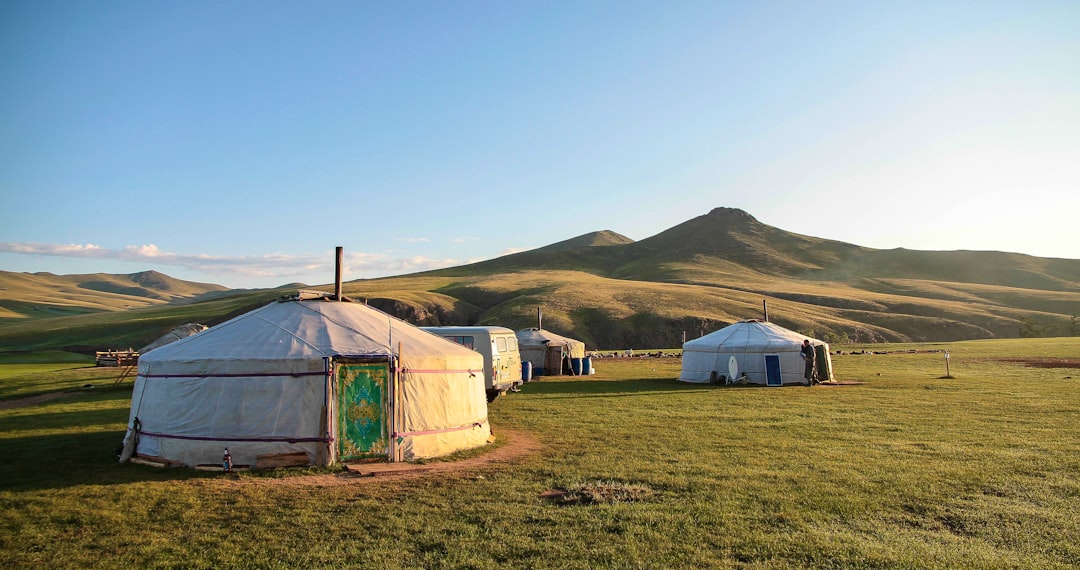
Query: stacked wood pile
x=127, y=357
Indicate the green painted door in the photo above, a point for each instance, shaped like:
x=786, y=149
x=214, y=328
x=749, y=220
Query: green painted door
x=361, y=411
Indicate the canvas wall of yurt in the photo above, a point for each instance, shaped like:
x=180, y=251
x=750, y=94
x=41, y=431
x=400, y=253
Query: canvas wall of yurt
x=550, y=354
x=309, y=382
x=754, y=352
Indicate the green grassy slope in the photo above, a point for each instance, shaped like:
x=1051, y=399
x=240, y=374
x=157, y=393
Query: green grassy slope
x=132, y=328
x=613, y=313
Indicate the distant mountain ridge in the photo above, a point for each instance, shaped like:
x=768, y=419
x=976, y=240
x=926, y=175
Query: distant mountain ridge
x=36, y=295
x=818, y=285
x=614, y=292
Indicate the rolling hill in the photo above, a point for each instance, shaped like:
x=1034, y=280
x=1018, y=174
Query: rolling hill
x=42, y=295
x=614, y=292
x=720, y=267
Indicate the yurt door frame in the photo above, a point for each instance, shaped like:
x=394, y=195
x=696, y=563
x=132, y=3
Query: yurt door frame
x=363, y=402
x=772, y=370
x=553, y=360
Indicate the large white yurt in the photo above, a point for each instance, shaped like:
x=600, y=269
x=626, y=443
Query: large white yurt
x=307, y=382
x=549, y=353
x=765, y=353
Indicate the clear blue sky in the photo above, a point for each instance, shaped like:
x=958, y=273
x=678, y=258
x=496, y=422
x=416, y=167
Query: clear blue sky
x=240, y=142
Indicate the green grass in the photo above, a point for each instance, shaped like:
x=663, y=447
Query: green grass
x=906, y=470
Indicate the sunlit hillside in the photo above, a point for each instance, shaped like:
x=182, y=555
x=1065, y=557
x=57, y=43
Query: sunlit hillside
x=41, y=295
x=613, y=292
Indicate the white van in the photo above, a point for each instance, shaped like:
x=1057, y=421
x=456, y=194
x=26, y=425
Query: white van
x=502, y=361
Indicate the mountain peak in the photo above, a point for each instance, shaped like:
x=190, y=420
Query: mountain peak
x=735, y=236
x=591, y=239
x=730, y=215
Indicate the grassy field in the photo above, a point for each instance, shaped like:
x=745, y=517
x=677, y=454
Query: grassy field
x=906, y=470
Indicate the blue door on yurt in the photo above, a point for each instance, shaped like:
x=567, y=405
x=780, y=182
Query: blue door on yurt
x=361, y=418
x=772, y=370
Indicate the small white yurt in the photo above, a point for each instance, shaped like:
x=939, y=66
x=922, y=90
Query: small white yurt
x=307, y=382
x=549, y=353
x=174, y=334
x=757, y=352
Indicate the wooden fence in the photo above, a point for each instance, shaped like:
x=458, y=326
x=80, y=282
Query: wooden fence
x=116, y=357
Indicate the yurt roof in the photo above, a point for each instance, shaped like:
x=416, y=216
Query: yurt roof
x=532, y=337
x=307, y=329
x=751, y=335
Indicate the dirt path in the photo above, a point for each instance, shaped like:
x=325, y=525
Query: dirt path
x=518, y=445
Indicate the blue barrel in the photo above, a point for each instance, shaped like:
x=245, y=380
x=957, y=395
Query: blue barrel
x=575, y=366
x=526, y=371
x=586, y=366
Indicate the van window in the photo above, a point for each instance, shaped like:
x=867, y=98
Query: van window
x=511, y=343
x=466, y=341
x=500, y=343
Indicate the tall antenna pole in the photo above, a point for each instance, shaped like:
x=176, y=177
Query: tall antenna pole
x=340, y=254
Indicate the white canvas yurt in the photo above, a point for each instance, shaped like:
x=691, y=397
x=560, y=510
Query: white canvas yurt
x=549, y=353
x=307, y=382
x=765, y=353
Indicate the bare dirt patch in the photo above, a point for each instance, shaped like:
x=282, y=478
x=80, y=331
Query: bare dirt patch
x=1047, y=362
x=599, y=492
x=518, y=445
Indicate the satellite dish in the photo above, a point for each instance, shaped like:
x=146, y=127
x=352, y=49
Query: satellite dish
x=733, y=368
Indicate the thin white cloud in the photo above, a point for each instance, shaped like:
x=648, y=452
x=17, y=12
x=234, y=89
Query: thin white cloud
x=272, y=265
x=463, y=239
x=415, y=240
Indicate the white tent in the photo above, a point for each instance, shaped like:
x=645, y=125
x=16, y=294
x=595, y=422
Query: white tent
x=311, y=381
x=765, y=353
x=548, y=352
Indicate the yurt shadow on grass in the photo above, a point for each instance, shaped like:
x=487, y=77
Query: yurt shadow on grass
x=306, y=381
x=752, y=352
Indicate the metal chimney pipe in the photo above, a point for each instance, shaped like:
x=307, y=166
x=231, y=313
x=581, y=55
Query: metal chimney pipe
x=340, y=253
x=539, y=318
x=765, y=307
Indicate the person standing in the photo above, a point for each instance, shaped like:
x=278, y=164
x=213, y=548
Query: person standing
x=808, y=356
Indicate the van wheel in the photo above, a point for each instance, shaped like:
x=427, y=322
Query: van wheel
x=493, y=395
